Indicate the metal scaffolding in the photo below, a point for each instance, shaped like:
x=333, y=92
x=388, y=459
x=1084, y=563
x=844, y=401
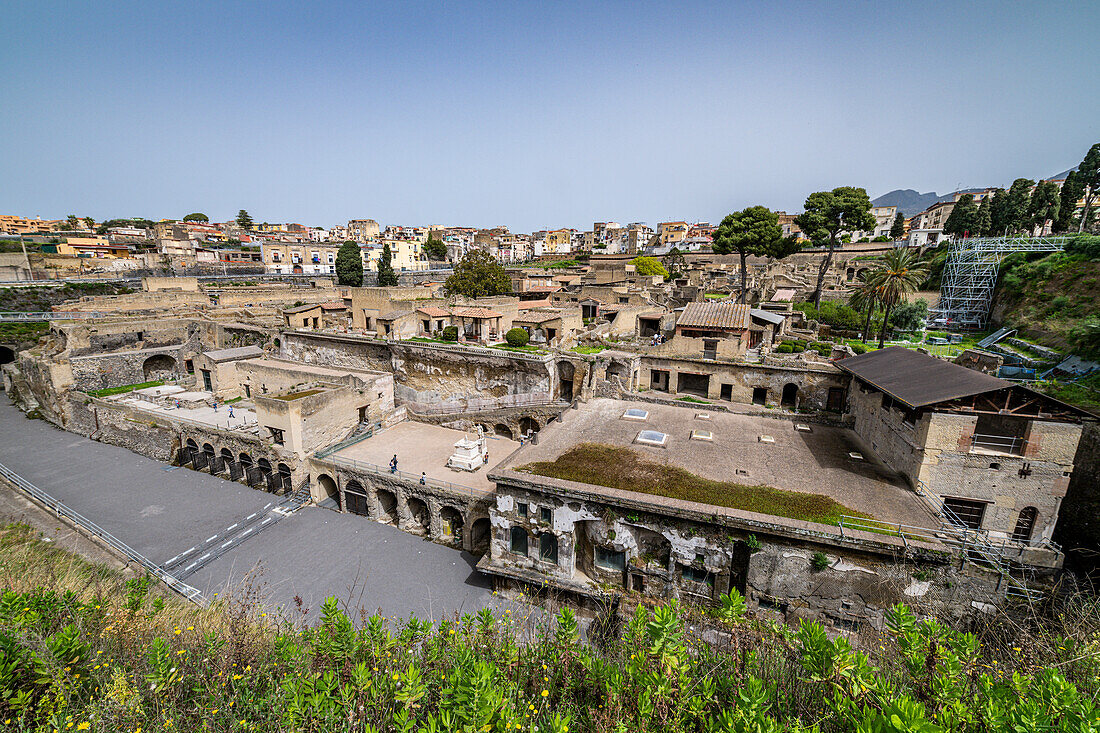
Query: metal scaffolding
x=970, y=275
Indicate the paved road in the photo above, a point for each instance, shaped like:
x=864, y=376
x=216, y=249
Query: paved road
x=311, y=554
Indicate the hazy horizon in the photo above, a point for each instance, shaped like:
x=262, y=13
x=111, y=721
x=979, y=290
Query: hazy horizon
x=534, y=116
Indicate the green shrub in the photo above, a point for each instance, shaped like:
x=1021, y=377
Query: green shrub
x=450, y=333
x=799, y=348
x=860, y=348
x=517, y=337
x=819, y=561
x=784, y=349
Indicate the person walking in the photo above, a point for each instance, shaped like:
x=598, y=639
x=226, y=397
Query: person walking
x=423, y=479
x=393, y=464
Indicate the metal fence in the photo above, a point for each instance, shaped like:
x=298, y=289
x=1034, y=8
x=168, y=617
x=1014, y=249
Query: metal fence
x=9, y=316
x=999, y=443
x=411, y=478
x=61, y=510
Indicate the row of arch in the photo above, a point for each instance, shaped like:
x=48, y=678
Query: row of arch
x=409, y=513
x=527, y=426
x=258, y=473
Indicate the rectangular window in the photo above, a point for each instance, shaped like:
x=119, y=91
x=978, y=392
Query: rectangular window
x=965, y=511
x=247, y=390
x=696, y=575
x=276, y=435
x=609, y=559
x=546, y=514
x=522, y=509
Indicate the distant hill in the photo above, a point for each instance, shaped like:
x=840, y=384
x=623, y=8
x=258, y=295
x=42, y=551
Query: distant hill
x=908, y=201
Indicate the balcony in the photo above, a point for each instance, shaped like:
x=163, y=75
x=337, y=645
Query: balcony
x=1000, y=445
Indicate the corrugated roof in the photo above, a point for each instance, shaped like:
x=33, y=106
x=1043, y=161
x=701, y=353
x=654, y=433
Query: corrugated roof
x=715, y=315
x=917, y=379
x=768, y=316
x=783, y=294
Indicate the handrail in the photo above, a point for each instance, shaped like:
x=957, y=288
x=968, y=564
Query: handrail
x=49, y=315
x=410, y=478
x=61, y=510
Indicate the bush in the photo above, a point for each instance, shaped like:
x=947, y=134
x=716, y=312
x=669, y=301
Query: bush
x=909, y=316
x=881, y=238
x=517, y=337
x=784, y=349
x=819, y=561
x=450, y=333
x=859, y=348
x=1085, y=245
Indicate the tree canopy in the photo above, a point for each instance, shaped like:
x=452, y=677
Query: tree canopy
x=752, y=231
x=1016, y=205
x=244, y=220
x=1044, y=205
x=1088, y=173
x=197, y=216
x=984, y=218
x=435, y=249
x=648, y=266
x=826, y=215
x=896, y=274
x=897, y=229
x=1072, y=191
x=478, y=275
x=349, y=265
x=963, y=218
x=387, y=278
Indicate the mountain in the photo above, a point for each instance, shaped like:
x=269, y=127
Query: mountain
x=908, y=201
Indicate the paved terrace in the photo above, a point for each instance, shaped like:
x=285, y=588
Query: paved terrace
x=425, y=448
x=195, y=411
x=814, y=462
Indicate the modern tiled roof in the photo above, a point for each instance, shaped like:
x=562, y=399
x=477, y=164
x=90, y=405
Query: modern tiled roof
x=715, y=315
x=476, y=313
x=433, y=311
x=918, y=379
x=333, y=306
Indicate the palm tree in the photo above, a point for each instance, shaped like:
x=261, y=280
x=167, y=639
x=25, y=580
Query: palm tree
x=864, y=298
x=896, y=274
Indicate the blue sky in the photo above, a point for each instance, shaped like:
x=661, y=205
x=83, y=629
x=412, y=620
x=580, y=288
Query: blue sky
x=529, y=114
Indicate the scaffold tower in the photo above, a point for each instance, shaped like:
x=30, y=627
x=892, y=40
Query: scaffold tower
x=970, y=276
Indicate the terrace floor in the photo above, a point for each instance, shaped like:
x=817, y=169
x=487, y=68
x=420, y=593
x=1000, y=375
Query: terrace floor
x=424, y=448
x=816, y=462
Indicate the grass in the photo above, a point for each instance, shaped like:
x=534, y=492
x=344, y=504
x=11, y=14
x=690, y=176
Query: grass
x=88, y=649
x=297, y=395
x=589, y=349
x=528, y=349
x=124, y=389
x=23, y=332
x=233, y=400
x=716, y=296
x=696, y=400
x=1083, y=392
x=626, y=469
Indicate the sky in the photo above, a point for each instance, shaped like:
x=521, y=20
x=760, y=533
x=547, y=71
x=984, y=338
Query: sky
x=534, y=115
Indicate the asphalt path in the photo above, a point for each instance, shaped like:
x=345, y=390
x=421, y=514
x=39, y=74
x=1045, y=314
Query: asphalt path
x=306, y=557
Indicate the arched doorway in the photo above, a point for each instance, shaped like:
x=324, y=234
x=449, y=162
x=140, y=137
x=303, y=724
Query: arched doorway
x=210, y=457
x=264, y=467
x=328, y=486
x=356, y=498
x=230, y=465
x=248, y=469
x=850, y=274
x=790, y=395
x=566, y=371
x=387, y=503
x=503, y=430
x=479, y=536
x=190, y=448
x=452, y=522
x=158, y=366
x=7, y=355
x=1025, y=524
x=418, y=509
x=528, y=425
x=283, y=472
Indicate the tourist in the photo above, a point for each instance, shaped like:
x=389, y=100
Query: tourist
x=423, y=478
x=393, y=464
x=230, y=412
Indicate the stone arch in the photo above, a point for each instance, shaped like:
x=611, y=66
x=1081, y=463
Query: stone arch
x=190, y=448
x=211, y=457
x=548, y=547
x=529, y=425
x=790, y=395
x=7, y=355
x=502, y=430
x=355, y=498
x=225, y=458
x=451, y=520
x=422, y=518
x=1025, y=524
x=284, y=474
x=480, y=534
x=387, y=504
x=850, y=274
x=327, y=485
x=158, y=366
x=485, y=428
